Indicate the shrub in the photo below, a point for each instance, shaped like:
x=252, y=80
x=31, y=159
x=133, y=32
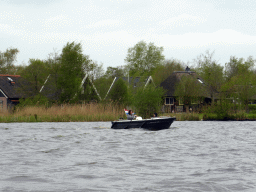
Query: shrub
x=148, y=100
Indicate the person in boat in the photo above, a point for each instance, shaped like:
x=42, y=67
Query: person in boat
x=155, y=115
x=130, y=115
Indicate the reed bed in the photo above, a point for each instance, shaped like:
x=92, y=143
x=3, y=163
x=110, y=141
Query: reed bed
x=65, y=113
x=97, y=112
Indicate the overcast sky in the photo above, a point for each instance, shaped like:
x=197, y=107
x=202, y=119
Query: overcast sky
x=107, y=28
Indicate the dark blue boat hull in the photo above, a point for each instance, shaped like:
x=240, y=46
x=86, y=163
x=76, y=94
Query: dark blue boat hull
x=150, y=124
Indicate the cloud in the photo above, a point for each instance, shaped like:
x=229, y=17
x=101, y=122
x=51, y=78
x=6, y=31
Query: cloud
x=225, y=37
x=56, y=22
x=183, y=20
x=104, y=23
x=29, y=2
x=10, y=30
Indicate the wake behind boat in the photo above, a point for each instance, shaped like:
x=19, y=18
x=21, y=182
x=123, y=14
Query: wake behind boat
x=155, y=123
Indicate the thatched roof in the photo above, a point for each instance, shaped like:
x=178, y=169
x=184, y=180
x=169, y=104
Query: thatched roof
x=10, y=86
x=131, y=81
x=51, y=91
x=135, y=81
x=49, y=88
x=170, y=83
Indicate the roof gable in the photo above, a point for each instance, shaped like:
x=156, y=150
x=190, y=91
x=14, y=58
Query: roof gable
x=51, y=91
x=10, y=86
x=176, y=77
x=132, y=81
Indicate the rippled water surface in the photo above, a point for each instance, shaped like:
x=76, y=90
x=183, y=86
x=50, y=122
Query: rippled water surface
x=190, y=156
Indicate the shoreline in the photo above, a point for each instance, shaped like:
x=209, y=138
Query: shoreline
x=99, y=118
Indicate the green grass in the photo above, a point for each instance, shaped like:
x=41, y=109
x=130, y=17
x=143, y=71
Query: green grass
x=241, y=116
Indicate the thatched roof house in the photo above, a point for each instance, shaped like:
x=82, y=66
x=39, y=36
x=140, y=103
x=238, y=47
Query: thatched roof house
x=192, y=86
x=131, y=81
x=10, y=91
x=52, y=92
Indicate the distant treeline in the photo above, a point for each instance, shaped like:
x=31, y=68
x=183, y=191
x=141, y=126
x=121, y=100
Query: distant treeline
x=234, y=80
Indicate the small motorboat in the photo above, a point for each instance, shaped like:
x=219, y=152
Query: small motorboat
x=155, y=123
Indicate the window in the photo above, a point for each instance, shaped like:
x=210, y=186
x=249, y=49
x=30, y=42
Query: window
x=181, y=101
x=169, y=101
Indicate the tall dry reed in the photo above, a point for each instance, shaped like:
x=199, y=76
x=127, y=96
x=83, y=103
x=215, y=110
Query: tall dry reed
x=68, y=112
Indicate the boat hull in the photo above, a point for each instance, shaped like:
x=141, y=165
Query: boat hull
x=150, y=124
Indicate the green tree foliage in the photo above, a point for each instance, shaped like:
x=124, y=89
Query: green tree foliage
x=237, y=66
x=115, y=72
x=164, y=70
x=143, y=58
x=148, y=100
x=53, y=63
x=93, y=69
x=211, y=72
x=241, y=84
x=19, y=69
x=37, y=100
x=34, y=74
x=189, y=90
x=103, y=84
x=119, y=92
x=223, y=110
x=71, y=73
x=7, y=60
x=88, y=93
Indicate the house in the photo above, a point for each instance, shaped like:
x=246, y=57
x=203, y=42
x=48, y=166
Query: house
x=10, y=91
x=185, y=91
x=51, y=91
x=49, y=88
x=131, y=82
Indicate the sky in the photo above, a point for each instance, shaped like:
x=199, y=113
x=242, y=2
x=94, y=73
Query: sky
x=107, y=28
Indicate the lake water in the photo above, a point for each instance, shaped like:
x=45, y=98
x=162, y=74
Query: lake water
x=190, y=156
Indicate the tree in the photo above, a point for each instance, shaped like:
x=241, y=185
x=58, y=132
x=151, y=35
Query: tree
x=211, y=72
x=236, y=66
x=93, y=69
x=241, y=80
x=53, y=63
x=7, y=60
x=115, y=72
x=102, y=84
x=34, y=74
x=189, y=89
x=143, y=58
x=88, y=92
x=148, y=100
x=164, y=70
x=71, y=71
x=119, y=93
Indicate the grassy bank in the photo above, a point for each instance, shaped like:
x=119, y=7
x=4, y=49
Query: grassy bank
x=65, y=113
x=242, y=116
